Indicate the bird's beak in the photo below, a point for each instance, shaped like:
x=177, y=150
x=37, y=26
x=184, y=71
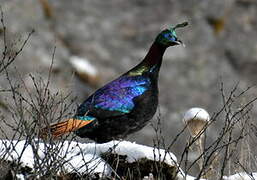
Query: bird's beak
x=179, y=42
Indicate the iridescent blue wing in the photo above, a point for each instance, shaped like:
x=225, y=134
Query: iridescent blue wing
x=116, y=97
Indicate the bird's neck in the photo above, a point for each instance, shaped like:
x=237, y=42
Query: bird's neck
x=152, y=61
x=154, y=55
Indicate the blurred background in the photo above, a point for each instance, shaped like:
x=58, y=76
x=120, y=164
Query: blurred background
x=114, y=35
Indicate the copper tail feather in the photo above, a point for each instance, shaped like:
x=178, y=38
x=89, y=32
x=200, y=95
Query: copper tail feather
x=62, y=128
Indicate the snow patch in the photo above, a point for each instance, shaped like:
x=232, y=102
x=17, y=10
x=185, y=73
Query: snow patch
x=83, y=158
x=82, y=65
x=241, y=176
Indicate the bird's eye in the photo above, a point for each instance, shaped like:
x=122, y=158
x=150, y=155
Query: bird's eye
x=171, y=37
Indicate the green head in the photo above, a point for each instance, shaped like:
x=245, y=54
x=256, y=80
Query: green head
x=168, y=37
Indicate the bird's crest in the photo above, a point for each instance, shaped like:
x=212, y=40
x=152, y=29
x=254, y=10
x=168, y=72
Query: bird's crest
x=172, y=29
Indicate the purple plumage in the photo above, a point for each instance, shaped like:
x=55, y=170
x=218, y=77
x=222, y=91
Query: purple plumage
x=118, y=95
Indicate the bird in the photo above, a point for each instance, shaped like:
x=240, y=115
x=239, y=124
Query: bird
x=124, y=105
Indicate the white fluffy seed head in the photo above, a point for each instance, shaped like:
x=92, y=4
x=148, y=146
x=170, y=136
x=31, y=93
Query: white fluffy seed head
x=196, y=119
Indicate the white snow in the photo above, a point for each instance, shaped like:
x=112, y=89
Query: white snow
x=238, y=176
x=242, y=176
x=82, y=65
x=84, y=158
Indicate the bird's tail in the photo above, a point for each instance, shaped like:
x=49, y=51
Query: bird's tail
x=61, y=128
